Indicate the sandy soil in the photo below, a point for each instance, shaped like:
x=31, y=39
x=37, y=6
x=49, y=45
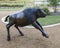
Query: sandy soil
x=32, y=37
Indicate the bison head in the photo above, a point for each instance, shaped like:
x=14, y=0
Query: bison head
x=40, y=13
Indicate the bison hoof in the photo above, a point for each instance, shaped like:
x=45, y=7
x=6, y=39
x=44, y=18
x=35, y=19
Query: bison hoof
x=22, y=34
x=45, y=35
x=8, y=39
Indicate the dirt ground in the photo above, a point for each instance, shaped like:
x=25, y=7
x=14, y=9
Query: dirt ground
x=32, y=37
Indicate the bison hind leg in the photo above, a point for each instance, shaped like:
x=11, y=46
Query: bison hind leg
x=16, y=26
x=8, y=32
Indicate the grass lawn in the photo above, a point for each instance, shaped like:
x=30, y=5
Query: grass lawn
x=48, y=20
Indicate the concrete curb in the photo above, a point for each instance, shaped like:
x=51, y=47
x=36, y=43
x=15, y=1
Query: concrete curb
x=3, y=20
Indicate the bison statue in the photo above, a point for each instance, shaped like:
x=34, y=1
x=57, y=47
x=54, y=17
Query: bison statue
x=26, y=17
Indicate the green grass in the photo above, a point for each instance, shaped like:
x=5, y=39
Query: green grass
x=48, y=20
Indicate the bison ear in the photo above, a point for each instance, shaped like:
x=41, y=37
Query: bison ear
x=38, y=10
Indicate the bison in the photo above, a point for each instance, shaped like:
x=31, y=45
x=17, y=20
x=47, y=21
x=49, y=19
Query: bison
x=26, y=17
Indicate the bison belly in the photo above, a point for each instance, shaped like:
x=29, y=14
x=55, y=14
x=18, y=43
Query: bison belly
x=21, y=22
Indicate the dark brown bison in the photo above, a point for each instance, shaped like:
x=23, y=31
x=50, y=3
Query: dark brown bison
x=26, y=17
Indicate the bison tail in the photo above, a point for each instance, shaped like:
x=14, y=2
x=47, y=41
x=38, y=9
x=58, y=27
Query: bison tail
x=6, y=18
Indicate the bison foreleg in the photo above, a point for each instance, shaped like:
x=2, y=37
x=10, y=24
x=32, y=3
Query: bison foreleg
x=38, y=26
x=19, y=30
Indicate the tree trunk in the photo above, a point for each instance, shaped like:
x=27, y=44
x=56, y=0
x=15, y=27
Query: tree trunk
x=55, y=10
